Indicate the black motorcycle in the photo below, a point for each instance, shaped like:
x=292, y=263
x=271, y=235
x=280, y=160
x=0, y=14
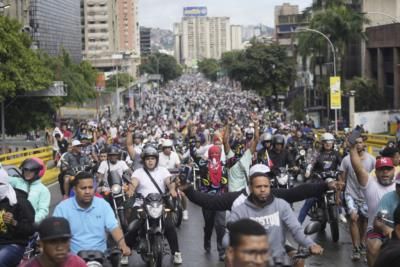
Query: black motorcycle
x=153, y=211
x=282, y=178
x=95, y=258
x=325, y=210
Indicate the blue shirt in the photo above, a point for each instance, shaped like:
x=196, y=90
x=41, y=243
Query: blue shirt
x=88, y=226
x=389, y=202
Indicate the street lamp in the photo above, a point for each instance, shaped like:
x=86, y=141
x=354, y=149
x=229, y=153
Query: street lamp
x=334, y=58
x=3, y=6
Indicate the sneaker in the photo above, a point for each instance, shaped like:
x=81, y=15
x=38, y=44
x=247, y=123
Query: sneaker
x=363, y=250
x=355, y=255
x=178, y=258
x=185, y=215
x=124, y=260
x=221, y=257
x=342, y=218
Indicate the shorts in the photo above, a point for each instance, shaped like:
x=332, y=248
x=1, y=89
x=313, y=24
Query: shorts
x=374, y=235
x=356, y=206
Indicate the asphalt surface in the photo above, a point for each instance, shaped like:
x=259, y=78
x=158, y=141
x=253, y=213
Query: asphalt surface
x=190, y=236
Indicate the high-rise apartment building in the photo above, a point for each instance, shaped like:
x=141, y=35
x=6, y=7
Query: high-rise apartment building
x=236, y=37
x=199, y=37
x=53, y=24
x=145, y=41
x=110, y=34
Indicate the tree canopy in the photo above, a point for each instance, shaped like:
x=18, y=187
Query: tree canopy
x=166, y=65
x=210, y=68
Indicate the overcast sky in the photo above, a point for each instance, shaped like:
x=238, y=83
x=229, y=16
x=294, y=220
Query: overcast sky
x=163, y=13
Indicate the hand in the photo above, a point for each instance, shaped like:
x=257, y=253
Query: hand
x=336, y=185
x=173, y=194
x=254, y=118
x=230, y=121
x=387, y=232
x=316, y=249
x=8, y=218
x=182, y=186
x=126, y=251
x=132, y=127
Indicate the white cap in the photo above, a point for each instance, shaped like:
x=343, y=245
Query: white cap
x=76, y=143
x=259, y=168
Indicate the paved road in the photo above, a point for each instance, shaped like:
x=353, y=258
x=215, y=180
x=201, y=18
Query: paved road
x=191, y=243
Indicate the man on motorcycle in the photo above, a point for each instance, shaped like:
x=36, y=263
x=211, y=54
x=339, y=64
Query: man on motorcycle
x=248, y=245
x=168, y=158
x=38, y=194
x=134, y=146
x=144, y=181
x=113, y=163
x=263, y=153
x=90, y=218
x=55, y=237
x=273, y=213
x=326, y=160
x=69, y=164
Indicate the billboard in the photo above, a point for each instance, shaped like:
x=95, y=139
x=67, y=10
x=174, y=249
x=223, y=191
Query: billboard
x=335, y=93
x=195, y=11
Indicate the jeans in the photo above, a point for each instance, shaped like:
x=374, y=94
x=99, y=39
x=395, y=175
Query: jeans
x=306, y=207
x=11, y=255
x=217, y=219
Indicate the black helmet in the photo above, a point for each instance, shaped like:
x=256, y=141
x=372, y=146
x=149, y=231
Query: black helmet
x=278, y=139
x=149, y=151
x=113, y=151
x=34, y=165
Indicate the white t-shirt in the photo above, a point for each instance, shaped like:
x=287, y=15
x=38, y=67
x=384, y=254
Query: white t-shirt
x=373, y=193
x=146, y=186
x=169, y=162
x=113, y=132
x=120, y=167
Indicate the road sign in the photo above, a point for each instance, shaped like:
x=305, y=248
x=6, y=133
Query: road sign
x=336, y=96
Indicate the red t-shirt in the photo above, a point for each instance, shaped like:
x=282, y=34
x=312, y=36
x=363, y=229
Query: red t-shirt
x=67, y=134
x=72, y=261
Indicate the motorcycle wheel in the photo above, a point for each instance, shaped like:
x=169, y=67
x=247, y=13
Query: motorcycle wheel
x=334, y=223
x=157, y=249
x=178, y=212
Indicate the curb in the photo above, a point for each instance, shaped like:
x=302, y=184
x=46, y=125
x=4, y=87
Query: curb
x=51, y=176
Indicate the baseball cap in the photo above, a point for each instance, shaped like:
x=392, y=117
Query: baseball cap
x=259, y=170
x=76, y=143
x=53, y=228
x=383, y=162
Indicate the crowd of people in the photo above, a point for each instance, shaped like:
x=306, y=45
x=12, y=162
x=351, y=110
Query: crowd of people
x=234, y=149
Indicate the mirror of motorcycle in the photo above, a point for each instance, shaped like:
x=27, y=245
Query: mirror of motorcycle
x=382, y=214
x=312, y=228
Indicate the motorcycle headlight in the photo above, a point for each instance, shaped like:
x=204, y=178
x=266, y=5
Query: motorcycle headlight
x=154, y=210
x=302, y=152
x=116, y=189
x=282, y=179
x=93, y=264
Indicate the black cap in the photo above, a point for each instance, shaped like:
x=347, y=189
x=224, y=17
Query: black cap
x=389, y=152
x=53, y=228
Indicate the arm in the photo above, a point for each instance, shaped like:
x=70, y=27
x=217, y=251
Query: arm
x=361, y=173
x=129, y=144
x=300, y=192
x=42, y=210
x=212, y=202
x=118, y=237
x=254, y=142
x=24, y=218
x=227, y=146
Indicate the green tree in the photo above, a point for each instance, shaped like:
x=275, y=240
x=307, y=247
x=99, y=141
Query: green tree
x=163, y=64
x=210, y=68
x=367, y=95
x=121, y=79
x=266, y=69
x=20, y=68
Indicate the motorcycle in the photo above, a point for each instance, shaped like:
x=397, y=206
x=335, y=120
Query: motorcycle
x=282, y=178
x=177, y=202
x=95, y=258
x=116, y=194
x=325, y=209
x=153, y=211
x=302, y=253
x=302, y=161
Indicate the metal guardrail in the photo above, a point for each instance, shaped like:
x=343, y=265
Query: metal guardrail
x=16, y=158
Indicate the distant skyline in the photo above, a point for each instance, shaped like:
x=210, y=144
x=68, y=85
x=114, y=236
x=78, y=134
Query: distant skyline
x=163, y=13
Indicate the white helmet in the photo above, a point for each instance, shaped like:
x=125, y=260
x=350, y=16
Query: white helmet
x=327, y=137
x=167, y=143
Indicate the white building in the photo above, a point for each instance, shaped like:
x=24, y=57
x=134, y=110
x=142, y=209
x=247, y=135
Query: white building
x=236, y=37
x=202, y=37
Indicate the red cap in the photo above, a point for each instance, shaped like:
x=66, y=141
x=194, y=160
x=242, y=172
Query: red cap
x=383, y=162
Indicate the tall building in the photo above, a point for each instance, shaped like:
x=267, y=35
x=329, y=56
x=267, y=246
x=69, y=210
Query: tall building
x=236, y=37
x=198, y=37
x=145, y=41
x=381, y=57
x=53, y=24
x=110, y=35
x=287, y=19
